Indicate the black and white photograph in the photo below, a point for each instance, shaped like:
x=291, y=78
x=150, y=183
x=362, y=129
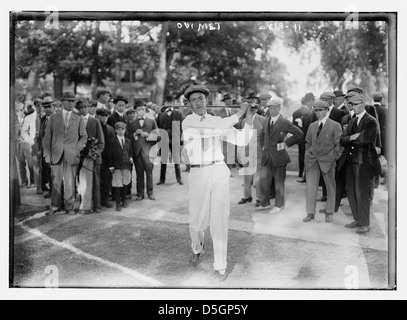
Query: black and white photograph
x=252, y=150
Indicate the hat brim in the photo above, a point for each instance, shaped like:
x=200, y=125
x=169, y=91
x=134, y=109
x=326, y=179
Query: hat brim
x=116, y=101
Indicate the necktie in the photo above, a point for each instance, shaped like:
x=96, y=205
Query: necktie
x=122, y=142
x=204, y=141
x=66, y=119
x=319, y=129
x=272, y=125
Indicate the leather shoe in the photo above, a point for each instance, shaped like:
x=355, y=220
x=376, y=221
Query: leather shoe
x=263, y=208
x=302, y=181
x=107, y=204
x=354, y=224
x=39, y=191
x=244, y=200
x=257, y=204
x=51, y=212
x=322, y=199
x=125, y=204
x=308, y=218
x=70, y=212
x=138, y=198
x=160, y=182
x=328, y=217
x=118, y=207
x=128, y=197
x=363, y=230
x=180, y=183
x=97, y=210
x=151, y=197
x=48, y=195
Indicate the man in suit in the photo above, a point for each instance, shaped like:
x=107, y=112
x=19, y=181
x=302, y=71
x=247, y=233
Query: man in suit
x=250, y=158
x=105, y=174
x=65, y=137
x=334, y=114
x=118, y=113
x=322, y=150
x=91, y=159
x=264, y=104
x=340, y=177
x=143, y=134
x=275, y=157
x=306, y=104
x=48, y=107
x=168, y=120
x=362, y=164
x=339, y=101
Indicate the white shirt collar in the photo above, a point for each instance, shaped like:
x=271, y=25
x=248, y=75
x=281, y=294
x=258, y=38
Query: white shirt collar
x=120, y=114
x=274, y=118
x=85, y=117
x=360, y=115
x=64, y=112
x=323, y=119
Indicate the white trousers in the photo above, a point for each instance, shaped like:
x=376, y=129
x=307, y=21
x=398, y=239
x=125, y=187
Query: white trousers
x=209, y=205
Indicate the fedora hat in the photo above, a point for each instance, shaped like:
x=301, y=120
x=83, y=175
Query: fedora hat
x=69, y=96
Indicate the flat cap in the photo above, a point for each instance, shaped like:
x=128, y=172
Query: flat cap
x=102, y=112
x=265, y=96
x=357, y=99
x=274, y=103
x=120, y=125
x=339, y=93
x=327, y=95
x=350, y=94
x=320, y=104
x=196, y=88
x=356, y=89
x=130, y=110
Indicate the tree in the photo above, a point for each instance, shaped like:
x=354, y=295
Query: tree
x=347, y=53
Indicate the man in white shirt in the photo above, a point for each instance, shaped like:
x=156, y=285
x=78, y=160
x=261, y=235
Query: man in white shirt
x=209, y=200
x=28, y=144
x=103, y=96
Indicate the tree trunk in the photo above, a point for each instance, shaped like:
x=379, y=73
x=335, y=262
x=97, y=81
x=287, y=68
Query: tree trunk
x=118, y=69
x=95, y=65
x=32, y=82
x=161, y=75
x=58, y=85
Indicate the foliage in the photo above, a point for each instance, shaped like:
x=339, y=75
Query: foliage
x=359, y=52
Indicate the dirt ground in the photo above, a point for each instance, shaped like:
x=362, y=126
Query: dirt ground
x=147, y=245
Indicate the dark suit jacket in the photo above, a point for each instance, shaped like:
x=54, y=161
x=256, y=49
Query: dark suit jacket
x=60, y=141
x=120, y=157
x=258, y=123
x=165, y=122
x=115, y=117
x=362, y=149
x=382, y=118
x=108, y=134
x=269, y=141
x=94, y=130
x=141, y=146
x=325, y=148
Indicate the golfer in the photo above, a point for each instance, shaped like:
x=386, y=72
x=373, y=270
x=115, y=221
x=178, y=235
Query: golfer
x=209, y=201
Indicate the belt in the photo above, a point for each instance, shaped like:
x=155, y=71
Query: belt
x=205, y=164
